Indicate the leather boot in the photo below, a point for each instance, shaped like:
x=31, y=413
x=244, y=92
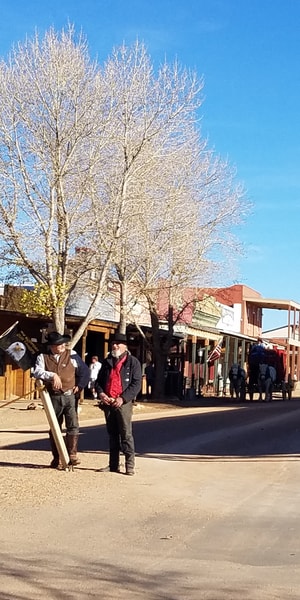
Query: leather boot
x=55, y=461
x=114, y=453
x=72, y=443
x=129, y=465
x=114, y=461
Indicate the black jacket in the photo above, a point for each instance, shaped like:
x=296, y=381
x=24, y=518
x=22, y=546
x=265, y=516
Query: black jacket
x=131, y=377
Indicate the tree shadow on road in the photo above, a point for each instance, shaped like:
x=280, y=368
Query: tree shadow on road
x=65, y=576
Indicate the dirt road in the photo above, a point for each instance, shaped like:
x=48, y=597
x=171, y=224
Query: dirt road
x=220, y=523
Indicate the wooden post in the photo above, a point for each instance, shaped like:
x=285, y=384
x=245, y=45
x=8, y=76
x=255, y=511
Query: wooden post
x=243, y=356
x=226, y=362
x=194, y=343
x=235, y=350
x=106, y=341
x=54, y=426
x=83, y=355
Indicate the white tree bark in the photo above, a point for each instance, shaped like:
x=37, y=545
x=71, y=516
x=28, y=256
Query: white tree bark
x=103, y=172
x=53, y=115
x=178, y=201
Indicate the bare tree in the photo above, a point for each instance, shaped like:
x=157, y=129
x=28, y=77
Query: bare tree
x=53, y=118
x=178, y=199
x=104, y=172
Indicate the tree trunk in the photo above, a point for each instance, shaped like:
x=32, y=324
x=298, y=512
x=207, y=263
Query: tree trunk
x=123, y=305
x=59, y=319
x=162, y=341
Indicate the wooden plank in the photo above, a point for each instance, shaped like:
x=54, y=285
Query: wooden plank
x=53, y=423
x=19, y=388
x=2, y=388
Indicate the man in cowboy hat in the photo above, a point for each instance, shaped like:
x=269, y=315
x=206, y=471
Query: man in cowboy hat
x=64, y=374
x=118, y=383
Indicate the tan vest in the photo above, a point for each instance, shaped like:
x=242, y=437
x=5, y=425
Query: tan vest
x=63, y=367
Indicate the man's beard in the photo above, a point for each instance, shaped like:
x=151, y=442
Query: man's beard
x=116, y=353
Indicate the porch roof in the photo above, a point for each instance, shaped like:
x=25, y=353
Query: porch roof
x=273, y=303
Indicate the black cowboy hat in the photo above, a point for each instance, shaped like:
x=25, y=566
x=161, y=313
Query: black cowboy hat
x=55, y=339
x=118, y=337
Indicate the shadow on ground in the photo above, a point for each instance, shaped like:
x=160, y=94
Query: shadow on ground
x=245, y=430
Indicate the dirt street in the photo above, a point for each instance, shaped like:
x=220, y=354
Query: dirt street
x=211, y=514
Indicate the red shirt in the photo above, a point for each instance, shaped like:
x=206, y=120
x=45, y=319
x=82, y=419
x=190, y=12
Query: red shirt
x=114, y=383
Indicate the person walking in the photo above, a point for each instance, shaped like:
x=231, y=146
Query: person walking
x=119, y=381
x=150, y=378
x=64, y=374
x=94, y=368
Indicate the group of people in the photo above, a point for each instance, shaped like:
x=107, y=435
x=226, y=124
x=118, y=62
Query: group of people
x=116, y=383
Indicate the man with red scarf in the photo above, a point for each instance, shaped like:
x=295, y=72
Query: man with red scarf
x=119, y=381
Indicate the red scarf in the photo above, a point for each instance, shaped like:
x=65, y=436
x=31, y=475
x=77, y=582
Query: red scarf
x=114, y=386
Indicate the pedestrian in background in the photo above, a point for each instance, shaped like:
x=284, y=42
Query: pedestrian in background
x=150, y=377
x=94, y=368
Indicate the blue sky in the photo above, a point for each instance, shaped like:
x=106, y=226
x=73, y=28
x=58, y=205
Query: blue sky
x=248, y=53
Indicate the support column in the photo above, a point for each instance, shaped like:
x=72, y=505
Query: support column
x=194, y=345
x=226, y=361
x=83, y=354
x=205, y=366
x=243, y=355
x=235, y=350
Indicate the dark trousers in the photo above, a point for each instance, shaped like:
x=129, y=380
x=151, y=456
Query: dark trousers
x=119, y=428
x=65, y=407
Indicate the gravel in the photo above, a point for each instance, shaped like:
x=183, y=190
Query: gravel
x=25, y=477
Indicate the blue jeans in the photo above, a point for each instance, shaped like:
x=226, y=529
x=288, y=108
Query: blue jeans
x=65, y=407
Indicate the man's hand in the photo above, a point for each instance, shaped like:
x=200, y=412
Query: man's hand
x=118, y=402
x=56, y=383
x=104, y=398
